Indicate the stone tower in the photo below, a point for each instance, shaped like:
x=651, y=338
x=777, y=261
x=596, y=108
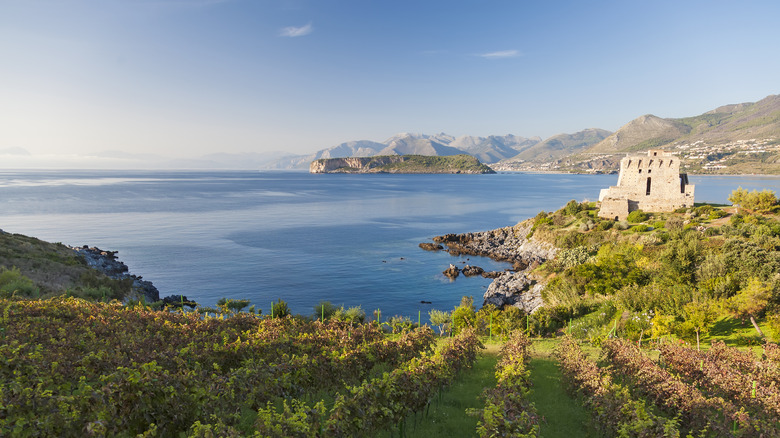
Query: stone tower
x=651, y=182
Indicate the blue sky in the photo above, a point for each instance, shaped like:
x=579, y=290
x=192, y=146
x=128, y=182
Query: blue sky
x=191, y=77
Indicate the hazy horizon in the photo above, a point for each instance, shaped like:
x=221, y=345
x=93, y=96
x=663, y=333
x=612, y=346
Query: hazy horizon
x=102, y=84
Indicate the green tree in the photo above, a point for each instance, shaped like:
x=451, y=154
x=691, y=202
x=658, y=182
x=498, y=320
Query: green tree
x=750, y=302
x=699, y=317
x=755, y=200
x=681, y=257
x=464, y=315
x=440, y=319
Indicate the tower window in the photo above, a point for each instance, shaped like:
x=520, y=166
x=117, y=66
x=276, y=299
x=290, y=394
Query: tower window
x=648, y=186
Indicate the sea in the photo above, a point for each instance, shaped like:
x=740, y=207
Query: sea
x=299, y=237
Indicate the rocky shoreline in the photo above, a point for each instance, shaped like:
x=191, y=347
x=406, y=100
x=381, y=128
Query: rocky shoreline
x=509, y=244
x=107, y=263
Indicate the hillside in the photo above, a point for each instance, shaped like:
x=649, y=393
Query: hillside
x=731, y=139
x=559, y=146
x=401, y=164
x=30, y=267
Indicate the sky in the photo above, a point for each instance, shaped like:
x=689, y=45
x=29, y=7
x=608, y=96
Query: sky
x=184, y=78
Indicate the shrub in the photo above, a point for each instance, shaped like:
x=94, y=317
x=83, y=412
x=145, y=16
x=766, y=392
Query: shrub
x=674, y=223
x=13, y=282
x=567, y=258
x=637, y=216
x=717, y=214
x=605, y=225
x=641, y=228
x=324, y=310
x=279, y=309
x=572, y=208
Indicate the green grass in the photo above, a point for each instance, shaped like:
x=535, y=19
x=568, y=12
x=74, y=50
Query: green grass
x=561, y=415
x=447, y=416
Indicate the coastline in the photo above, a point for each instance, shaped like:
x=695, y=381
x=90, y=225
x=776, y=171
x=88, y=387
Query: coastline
x=516, y=287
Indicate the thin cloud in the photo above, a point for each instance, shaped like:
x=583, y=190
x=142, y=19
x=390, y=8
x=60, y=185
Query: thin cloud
x=296, y=31
x=501, y=54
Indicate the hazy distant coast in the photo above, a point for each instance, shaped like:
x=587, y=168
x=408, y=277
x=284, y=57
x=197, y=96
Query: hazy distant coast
x=456, y=164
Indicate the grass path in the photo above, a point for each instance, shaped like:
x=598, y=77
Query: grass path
x=447, y=417
x=561, y=415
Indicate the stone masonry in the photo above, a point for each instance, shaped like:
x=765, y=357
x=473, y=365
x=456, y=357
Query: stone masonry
x=651, y=182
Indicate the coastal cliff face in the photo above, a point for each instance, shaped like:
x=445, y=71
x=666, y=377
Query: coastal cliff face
x=510, y=244
x=352, y=164
x=401, y=164
x=107, y=263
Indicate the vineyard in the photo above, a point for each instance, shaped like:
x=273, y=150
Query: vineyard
x=723, y=393
x=76, y=368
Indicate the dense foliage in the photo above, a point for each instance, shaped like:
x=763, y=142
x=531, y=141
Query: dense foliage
x=672, y=274
x=74, y=368
x=724, y=393
x=507, y=410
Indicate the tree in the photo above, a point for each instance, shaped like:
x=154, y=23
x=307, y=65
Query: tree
x=464, y=315
x=699, y=316
x=750, y=302
x=441, y=319
x=755, y=200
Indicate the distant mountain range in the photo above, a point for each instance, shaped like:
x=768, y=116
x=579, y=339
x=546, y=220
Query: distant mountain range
x=737, y=138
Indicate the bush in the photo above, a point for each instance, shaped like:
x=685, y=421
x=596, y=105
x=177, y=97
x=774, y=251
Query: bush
x=674, y=223
x=324, y=310
x=279, y=309
x=12, y=282
x=641, y=228
x=605, y=225
x=567, y=258
x=717, y=214
x=637, y=216
x=572, y=208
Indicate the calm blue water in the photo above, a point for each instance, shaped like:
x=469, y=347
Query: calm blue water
x=348, y=239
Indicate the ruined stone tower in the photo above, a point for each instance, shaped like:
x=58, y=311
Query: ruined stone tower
x=651, y=182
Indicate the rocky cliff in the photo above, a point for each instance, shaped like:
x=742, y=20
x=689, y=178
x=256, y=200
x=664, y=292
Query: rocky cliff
x=510, y=244
x=401, y=164
x=107, y=263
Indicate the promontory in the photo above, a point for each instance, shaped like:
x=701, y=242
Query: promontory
x=455, y=164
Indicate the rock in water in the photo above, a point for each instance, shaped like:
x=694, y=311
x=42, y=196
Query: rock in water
x=428, y=246
x=471, y=271
x=452, y=271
